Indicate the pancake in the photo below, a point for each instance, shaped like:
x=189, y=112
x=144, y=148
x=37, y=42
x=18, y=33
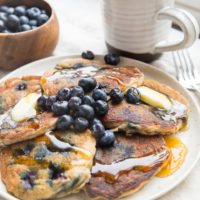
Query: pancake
x=11, y=92
x=50, y=166
x=69, y=71
x=12, y=132
x=148, y=120
x=126, y=167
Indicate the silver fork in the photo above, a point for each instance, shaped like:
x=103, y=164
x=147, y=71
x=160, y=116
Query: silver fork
x=186, y=71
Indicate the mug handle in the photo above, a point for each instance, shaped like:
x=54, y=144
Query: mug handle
x=185, y=21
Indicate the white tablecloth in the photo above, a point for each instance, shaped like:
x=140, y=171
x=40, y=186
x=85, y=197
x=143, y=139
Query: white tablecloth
x=81, y=29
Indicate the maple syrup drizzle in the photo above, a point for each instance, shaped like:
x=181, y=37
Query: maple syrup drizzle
x=111, y=172
x=66, y=146
x=74, y=73
x=178, y=152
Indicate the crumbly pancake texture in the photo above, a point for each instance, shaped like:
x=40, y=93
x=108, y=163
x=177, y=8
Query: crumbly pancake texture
x=48, y=167
x=146, y=119
x=69, y=71
x=143, y=157
x=10, y=94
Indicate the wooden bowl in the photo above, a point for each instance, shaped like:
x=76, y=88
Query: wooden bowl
x=17, y=49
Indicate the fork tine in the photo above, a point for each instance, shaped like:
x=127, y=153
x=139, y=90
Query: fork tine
x=187, y=65
x=182, y=65
x=194, y=70
x=178, y=71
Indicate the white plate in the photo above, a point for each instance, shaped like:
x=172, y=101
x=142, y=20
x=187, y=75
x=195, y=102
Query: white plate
x=158, y=186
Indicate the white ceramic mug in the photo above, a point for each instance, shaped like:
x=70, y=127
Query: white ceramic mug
x=142, y=26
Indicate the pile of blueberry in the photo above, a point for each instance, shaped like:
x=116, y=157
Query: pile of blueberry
x=80, y=111
x=75, y=108
x=21, y=18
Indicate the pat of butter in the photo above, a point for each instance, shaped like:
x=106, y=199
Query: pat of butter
x=154, y=98
x=25, y=108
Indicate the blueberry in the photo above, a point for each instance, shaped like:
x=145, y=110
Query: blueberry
x=33, y=27
x=41, y=103
x=24, y=27
x=33, y=12
x=10, y=10
x=63, y=94
x=74, y=103
x=102, y=87
x=41, y=153
x=3, y=17
x=23, y=20
x=43, y=12
x=28, y=148
x=21, y=86
x=133, y=95
x=95, y=121
x=99, y=94
x=3, y=9
x=98, y=130
x=87, y=83
x=101, y=108
x=43, y=18
x=78, y=65
x=107, y=140
x=2, y=26
x=60, y=108
x=56, y=171
x=20, y=11
x=13, y=23
x=112, y=59
x=116, y=95
x=77, y=92
x=28, y=178
x=85, y=111
x=88, y=55
x=6, y=31
x=49, y=102
x=81, y=124
x=33, y=22
x=64, y=122
x=88, y=100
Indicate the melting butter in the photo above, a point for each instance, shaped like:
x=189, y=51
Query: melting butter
x=25, y=108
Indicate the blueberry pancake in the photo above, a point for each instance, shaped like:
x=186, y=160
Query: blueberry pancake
x=147, y=119
x=48, y=167
x=126, y=167
x=68, y=73
x=13, y=89
x=21, y=91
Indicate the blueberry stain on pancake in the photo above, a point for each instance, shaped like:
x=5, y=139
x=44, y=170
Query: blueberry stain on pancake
x=56, y=164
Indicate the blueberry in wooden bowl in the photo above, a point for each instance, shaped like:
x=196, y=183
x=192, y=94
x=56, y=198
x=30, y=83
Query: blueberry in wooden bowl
x=29, y=31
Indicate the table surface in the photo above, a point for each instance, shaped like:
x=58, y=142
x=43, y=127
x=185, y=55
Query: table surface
x=81, y=29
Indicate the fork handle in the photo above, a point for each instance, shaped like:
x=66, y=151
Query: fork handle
x=187, y=23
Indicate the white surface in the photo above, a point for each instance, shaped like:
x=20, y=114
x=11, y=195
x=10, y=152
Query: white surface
x=191, y=137
x=81, y=28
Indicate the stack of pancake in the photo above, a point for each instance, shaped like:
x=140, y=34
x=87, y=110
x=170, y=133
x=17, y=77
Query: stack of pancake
x=38, y=162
